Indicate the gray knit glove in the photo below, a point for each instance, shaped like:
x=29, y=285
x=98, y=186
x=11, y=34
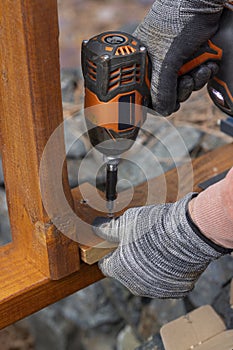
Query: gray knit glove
x=161, y=252
x=172, y=31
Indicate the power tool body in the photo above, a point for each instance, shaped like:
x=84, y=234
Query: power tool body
x=116, y=72
x=117, y=90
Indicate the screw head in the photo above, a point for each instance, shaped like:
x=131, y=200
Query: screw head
x=105, y=57
x=142, y=49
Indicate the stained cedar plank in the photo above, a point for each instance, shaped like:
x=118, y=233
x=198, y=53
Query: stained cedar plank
x=204, y=168
x=25, y=290
x=31, y=109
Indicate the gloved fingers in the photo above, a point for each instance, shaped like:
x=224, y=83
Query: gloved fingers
x=112, y=267
x=201, y=76
x=106, y=265
x=214, y=68
x=195, y=80
x=121, y=229
x=164, y=92
x=185, y=88
x=107, y=229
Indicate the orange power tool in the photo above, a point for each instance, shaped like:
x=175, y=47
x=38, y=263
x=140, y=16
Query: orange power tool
x=117, y=89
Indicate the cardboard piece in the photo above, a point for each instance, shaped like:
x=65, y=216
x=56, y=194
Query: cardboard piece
x=231, y=294
x=222, y=341
x=201, y=329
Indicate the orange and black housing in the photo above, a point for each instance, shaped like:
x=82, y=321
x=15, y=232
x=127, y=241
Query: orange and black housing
x=115, y=70
x=221, y=86
x=219, y=49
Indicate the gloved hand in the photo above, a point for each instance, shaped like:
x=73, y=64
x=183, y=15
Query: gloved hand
x=161, y=252
x=172, y=31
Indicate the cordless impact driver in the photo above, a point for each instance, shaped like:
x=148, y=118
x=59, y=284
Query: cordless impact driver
x=116, y=73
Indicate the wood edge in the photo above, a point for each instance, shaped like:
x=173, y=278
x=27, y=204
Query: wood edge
x=34, y=92
x=91, y=255
x=25, y=290
x=231, y=294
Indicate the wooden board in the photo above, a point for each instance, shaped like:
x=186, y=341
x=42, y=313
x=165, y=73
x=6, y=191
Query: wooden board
x=186, y=179
x=25, y=290
x=31, y=109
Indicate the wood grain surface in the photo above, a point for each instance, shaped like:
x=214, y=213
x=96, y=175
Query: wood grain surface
x=31, y=109
x=166, y=188
x=25, y=290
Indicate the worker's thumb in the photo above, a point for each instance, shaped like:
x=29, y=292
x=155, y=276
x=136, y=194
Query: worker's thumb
x=107, y=229
x=106, y=264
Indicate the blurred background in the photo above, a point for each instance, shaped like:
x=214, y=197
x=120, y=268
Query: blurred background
x=106, y=316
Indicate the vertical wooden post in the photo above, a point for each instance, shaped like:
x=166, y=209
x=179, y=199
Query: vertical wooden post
x=31, y=109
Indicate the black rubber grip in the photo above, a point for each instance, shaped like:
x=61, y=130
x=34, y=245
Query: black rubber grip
x=222, y=84
x=111, y=183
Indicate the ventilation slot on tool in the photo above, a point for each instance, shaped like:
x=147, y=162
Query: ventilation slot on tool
x=114, y=79
x=128, y=74
x=138, y=73
x=91, y=67
x=124, y=76
x=125, y=50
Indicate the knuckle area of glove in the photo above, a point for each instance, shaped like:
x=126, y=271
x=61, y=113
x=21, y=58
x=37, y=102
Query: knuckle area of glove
x=207, y=6
x=158, y=286
x=154, y=291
